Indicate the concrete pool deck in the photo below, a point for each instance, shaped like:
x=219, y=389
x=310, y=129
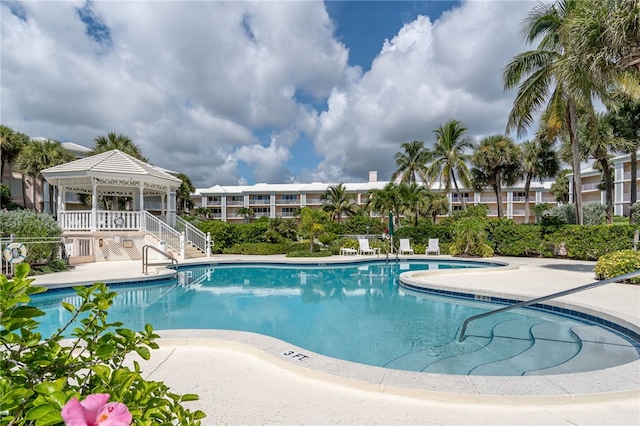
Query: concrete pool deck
x=243, y=378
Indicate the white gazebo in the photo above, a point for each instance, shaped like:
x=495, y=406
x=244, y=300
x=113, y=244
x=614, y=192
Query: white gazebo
x=112, y=174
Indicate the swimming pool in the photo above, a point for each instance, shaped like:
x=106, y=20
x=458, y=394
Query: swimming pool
x=357, y=312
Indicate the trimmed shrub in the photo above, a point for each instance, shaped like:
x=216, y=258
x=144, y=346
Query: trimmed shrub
x=617, y=263
x=257, y=249
x=635, y=211
x=591, y=242
x=307, y=253
x=28, y=224
x=510, y=239
x=594, y=214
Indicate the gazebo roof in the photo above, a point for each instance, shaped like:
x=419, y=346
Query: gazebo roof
x=114, y=172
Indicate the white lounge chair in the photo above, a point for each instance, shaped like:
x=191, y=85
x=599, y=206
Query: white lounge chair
x=365, y=249
x=434, y=246
x=405, y=247
x=346, y=251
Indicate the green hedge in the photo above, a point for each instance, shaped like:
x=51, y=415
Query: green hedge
x=28, y=224
x=571, y=241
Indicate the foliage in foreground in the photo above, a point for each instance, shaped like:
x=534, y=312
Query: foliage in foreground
x=617, y=263
x=40, y=375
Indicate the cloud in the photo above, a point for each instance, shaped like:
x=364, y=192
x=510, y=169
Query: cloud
x=428, y=73
x=215, y=87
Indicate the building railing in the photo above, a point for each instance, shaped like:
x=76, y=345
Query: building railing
x=106, y=220
x=235, y=202
x=259, y=202
x=163, y=232
x=590, y=186
x=194, y=236
x=288, y=202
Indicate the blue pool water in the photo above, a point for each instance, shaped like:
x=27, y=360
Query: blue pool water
x=354, y=312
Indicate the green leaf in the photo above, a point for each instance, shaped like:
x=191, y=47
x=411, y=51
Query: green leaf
x=144, y=352
x=68, y=306
x=105, y=350
x=40, y=411
x=50, y=418
x=189, y=397
x=26, y=312
x=50, y=387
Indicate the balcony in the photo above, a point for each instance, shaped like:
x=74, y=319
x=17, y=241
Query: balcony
x=590, y=187
x=288, y=202
x=314, y=201
x=235, y=202
x=259, y=202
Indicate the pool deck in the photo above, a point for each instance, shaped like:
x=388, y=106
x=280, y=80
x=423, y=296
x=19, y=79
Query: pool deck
x=244, y=378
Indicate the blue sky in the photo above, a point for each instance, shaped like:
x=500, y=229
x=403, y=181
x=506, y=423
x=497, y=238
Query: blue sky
x=235, y=92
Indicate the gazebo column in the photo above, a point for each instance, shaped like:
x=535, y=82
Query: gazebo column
x=171, y=213
x=94, y=205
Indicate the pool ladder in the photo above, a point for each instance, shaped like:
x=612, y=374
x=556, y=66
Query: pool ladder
x=145, y=257
x=548, y=297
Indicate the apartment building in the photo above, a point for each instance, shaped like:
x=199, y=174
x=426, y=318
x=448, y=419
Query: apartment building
x=282, y=200
x=593, y=189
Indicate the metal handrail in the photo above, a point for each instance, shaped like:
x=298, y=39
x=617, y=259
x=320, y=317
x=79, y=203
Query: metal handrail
x=145, y=257
x=543, y=298
x=193, y=235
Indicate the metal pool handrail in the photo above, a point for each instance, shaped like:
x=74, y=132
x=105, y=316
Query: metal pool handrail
x=543, y=298
x=145, y=257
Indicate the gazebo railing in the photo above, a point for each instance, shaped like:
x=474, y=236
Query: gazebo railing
x=106, y=220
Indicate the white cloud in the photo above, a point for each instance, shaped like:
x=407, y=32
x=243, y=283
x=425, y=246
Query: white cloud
x=198, y=85
x=427, y=74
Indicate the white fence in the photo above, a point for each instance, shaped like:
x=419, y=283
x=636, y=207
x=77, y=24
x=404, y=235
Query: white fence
x=82, y=220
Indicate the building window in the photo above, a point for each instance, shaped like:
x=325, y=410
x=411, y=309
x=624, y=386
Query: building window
x=463, y=196
x=290, y=197
x=262, y=211
x=289, y=211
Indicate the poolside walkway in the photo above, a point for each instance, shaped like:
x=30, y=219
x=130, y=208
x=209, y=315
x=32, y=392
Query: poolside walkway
x=241, y=379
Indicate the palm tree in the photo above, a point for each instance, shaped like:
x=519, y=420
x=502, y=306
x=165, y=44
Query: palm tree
x=625, y=122
x=385, y=200
x=599, y=142
x=183, y=194
x=120, y=142
x=413, y=199
x=437, y=204
x=37, y=156
x=554, y=75
x=539, y=161
x=246, y=213
x=450, y=157
x=338, y=202
x=412, y=163
x=560, y=188
x=496, y=161
x=605, y=35
x=311, y=224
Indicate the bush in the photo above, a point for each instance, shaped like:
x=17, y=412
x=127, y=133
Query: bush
x=594, y=214
x=257, y=249
x=591, y=242
x=635, y=211
x=307, y=253
x=565, y=213
x=617, y=263
x=39, y=376
x=510, y=239
x=28, y=224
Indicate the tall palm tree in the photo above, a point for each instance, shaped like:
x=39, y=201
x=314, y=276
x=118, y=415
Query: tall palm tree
x=120, y=142
x=338, y=202
x=412, y=163
x=450, y=157
x=600, y=141
x=413, y=200
x=37, y=156
x=183, y=194
x=539, y=161
x=554, y=78
x=605, y=35
x=496, y=161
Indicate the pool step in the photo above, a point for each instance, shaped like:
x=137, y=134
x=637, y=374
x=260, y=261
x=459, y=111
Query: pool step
x=599, y=351
x=553, y=345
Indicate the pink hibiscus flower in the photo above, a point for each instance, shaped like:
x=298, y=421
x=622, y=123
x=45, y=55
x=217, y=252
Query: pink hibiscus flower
x=95, y=411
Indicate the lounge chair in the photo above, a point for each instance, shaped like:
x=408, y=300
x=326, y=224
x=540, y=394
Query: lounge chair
x=405, y=247
x=346, y=251
x=434, y=246
x=365, y=249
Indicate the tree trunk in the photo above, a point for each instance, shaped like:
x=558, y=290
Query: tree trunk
x=527, y=185
x=608, y=184
x=575, y=150
x=455, y=184
x=634, y=177
x=498, y=190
